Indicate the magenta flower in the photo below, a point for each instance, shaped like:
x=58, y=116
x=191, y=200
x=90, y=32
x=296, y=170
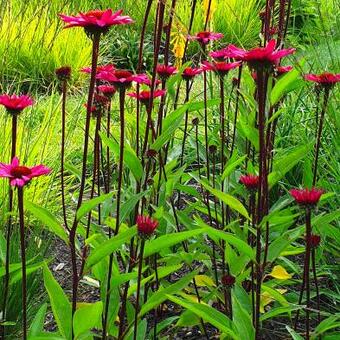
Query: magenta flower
x=260, y=56
x=221, y=55
x=146, y=225
x=191, y=72
x=251, y=182
x=120, y=78
x=96, y=21
x=205, y=38
x=107, y=90
x=221, y=68
x=280, y=70
x=306, y=197
x=15, y=104
x=20, y=175
x=325, y=79
x=143, y=79
x=165, y=71
x=100, y=68
x=144, y=96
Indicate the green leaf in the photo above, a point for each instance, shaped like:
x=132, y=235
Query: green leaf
x=29, y=270
x=287, y=83
x=327, y=324
x=170, y=124
x=2, y=248
x=284, y=164
x=130, y=158
x=229, y=200
x=208, y=314
x=87, y=206
x=160, y=296
x=232, y=164
x=60, y=304
x=87, y=317
x=242, y=320
x=168, y=240
x=110, y=246
x=294, y=335
x=129, y=205
x=47, y=219
x=240, y=245
x=37, y=325
x=278, y=311
x=175, y=118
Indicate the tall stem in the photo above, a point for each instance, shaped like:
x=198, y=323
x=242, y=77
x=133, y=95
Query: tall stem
x=62, y=151
x=9, y=228
x=262, y=192
x=318, y=140
x=23, y=261
x=121, y=154
x=316, y=284
x=139, y=279
x=308, y=253
x=236, y=110
x=72, y=235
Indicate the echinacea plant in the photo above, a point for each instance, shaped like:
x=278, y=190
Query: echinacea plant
x=307, y=199
x=19, y=176
x=14, y=105
x=325, y=81
x=176, y=224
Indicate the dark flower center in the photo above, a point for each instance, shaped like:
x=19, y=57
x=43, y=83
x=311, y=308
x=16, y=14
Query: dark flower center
x=20, y=171
x=96, y=13
x=122, y=74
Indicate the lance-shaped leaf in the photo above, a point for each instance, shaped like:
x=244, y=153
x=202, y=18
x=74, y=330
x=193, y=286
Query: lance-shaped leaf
x=168, y=240
x=130, y=158
x=229, y=200
x=110, y=246
x=60, y=304
x=208, y=314
x=48, y=220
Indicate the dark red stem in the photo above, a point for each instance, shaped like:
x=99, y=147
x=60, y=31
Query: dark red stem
x=23, y=261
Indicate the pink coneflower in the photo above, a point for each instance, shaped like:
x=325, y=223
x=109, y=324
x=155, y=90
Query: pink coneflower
x=119, y=78
x=260, y=57
x=251, y=182
x=165, y=71
x=146, y=225
x=219, y=55
x=63, y=73
x=97, y=21
x=306, y=197
x=205, y=38
x=107, y=90
x=144, y=96
x=20, y=175
x=100, y=68
x=221, y=68
x=191, y=72
x=143, y=79
x=280, y=70
x=325, y=79
x=15, y=104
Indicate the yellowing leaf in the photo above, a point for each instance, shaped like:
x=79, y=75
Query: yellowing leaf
x=203, y=281
x=267, y=298
x=191, y=298
x=280, y=273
